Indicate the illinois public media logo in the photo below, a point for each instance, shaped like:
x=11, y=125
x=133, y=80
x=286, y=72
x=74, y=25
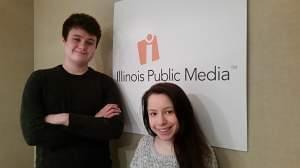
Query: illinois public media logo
x=148, y=51
x=148, y=48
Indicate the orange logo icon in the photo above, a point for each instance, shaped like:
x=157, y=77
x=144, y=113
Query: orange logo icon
x=150, y=42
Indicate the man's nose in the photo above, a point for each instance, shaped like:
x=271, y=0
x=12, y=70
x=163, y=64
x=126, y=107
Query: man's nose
x=82, y=45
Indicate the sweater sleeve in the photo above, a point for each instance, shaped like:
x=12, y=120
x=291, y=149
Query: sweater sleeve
x=35, y=130
x=100, y=128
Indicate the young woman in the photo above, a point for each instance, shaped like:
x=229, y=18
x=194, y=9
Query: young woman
x=176, y=140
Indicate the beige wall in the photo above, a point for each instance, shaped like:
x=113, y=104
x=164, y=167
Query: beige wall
x=16, y=46
x=273, y=79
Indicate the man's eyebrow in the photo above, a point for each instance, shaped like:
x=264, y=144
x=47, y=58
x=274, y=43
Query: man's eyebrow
x=76, y=35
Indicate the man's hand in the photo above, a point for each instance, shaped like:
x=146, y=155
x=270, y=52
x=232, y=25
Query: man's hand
x=109, y=111
x=58, y=119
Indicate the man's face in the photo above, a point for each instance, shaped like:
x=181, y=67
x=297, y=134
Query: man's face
x=79, y=47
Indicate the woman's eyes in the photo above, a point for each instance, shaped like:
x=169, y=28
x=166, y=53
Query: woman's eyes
x=152, y=114
x=165, y=112
x=169, y=111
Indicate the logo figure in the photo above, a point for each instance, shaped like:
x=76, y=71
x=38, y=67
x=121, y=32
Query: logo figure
x=150, y=42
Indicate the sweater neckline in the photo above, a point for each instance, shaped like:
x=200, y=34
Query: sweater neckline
x=157, y=154
x=60, y=67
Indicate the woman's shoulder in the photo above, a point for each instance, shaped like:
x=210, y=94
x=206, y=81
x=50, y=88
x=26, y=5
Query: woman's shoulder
x=213, y=163
x=144, y=146
x=146, y=141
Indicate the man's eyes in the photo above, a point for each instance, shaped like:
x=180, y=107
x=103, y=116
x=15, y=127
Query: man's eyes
x=76, y=39
x=89, y=42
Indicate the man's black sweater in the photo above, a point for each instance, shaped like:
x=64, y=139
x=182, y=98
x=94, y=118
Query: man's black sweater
x=85, y=142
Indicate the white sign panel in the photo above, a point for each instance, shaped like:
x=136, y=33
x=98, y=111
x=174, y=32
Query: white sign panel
x=199, y=45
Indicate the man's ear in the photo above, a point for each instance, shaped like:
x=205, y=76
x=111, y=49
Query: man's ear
x=63, y=41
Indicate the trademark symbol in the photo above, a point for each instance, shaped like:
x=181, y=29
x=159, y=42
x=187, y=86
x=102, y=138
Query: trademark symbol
x=234, y=67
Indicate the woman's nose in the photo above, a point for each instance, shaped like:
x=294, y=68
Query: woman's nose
x=162, y=119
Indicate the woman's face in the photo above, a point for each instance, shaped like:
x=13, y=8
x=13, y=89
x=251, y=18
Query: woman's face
x=162, y=117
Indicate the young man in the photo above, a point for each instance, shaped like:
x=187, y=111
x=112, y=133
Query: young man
x=70, y=112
